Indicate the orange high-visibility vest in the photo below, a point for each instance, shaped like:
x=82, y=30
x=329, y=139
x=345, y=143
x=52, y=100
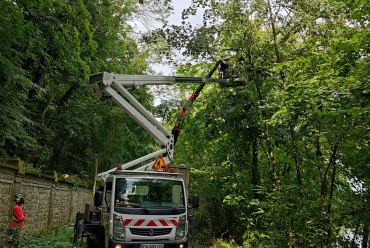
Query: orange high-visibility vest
x=18, y=217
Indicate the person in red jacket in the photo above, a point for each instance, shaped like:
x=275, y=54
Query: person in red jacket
x=18, y=218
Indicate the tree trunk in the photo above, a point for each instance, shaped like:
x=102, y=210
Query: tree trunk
x=318, y=153
x=365, y=236
x=62, y=102
x=332, y=184
x=37, y=77
x=264, y=115
x=42, y=141
x=295, y=156
x=255, y=176
x=355, y=234
x=324, y=186
x=332, y=188
x=270, y=153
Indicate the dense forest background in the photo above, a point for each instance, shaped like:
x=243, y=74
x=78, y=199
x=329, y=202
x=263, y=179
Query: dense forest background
x=281, y=158
x=48, y=49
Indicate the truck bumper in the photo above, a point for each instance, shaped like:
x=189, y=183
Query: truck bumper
x=136, y=244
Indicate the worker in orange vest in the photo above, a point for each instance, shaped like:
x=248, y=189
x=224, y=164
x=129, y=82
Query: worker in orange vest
x=18, y=218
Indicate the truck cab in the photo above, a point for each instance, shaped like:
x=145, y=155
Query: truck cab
x=147, y=209
x=140, y=209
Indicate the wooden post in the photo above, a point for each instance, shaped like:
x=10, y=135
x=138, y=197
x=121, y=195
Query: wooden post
x=71, y=205
x=51, y=207
x=12, y=193
x=15, y=190
x=96, y=171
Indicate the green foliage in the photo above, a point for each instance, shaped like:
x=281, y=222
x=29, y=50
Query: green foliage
x=281, y=161
x=60, y=236
x=48, y=49
x=222, y=244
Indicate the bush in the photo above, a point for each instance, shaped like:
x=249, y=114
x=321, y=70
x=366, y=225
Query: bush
x=220, y=243
x=58, y=237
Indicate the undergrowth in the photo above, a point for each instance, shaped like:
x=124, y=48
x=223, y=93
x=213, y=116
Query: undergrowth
x=62, y=237
x=58, y=237
x=220, y=243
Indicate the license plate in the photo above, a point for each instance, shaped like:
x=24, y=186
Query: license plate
x=151, y=245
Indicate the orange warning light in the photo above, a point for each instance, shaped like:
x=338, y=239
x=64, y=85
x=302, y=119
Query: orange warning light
x=159, y=164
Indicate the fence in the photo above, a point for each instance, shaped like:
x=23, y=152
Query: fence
x=49, y=199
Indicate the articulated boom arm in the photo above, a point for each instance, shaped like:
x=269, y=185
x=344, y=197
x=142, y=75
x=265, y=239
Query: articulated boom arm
x=105, y=84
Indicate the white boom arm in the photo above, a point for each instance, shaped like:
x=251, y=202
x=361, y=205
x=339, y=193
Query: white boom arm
x=101, y=85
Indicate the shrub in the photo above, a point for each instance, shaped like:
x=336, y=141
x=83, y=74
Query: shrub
x=58, y=237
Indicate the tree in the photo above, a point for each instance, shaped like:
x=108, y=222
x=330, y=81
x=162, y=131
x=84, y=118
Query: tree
x=48, y=50
x=299, y=119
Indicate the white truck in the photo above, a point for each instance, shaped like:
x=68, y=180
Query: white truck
x=146, y=207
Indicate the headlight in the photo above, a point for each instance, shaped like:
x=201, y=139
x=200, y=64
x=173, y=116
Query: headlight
x=118, y=228
x=181, y=228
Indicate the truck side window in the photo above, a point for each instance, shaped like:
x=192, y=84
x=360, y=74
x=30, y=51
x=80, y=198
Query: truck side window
x=177, y=196
x=108, y=194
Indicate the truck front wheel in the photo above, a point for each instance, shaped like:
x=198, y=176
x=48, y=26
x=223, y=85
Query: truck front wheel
x=90, y=243
x=101, y=240
x=98, y=242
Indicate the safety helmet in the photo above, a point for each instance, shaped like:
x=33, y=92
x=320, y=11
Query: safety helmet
x=18, y=197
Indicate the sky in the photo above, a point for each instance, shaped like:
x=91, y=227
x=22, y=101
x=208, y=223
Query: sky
x=175, y=19
x=160, y=93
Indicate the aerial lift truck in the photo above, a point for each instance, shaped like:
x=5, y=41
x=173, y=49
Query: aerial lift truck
x=146, y=207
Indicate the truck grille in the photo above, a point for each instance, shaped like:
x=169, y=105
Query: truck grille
x=147, y=232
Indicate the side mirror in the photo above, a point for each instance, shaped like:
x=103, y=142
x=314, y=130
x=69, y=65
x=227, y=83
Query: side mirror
x=195, y=201
x=98, y=198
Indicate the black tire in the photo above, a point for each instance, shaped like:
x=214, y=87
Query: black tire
x=191, y=243
x=98, y=242
x=91, y=243
x=101, y=239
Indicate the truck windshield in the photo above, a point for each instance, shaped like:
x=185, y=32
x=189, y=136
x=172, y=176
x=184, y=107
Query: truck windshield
x=149, y=193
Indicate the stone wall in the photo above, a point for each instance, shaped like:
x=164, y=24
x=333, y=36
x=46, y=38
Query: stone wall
x=48, y=199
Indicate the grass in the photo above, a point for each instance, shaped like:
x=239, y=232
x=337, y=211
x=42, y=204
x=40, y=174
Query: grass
x=62, y=237
x=58, y=237
x=219, y=243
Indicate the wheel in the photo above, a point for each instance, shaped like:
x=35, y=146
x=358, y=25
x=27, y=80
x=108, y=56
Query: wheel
x=98, y=242
x=91, y=243
x=101, y=241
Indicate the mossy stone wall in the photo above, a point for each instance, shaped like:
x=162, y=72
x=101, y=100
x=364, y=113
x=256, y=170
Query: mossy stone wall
x=49, y=199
